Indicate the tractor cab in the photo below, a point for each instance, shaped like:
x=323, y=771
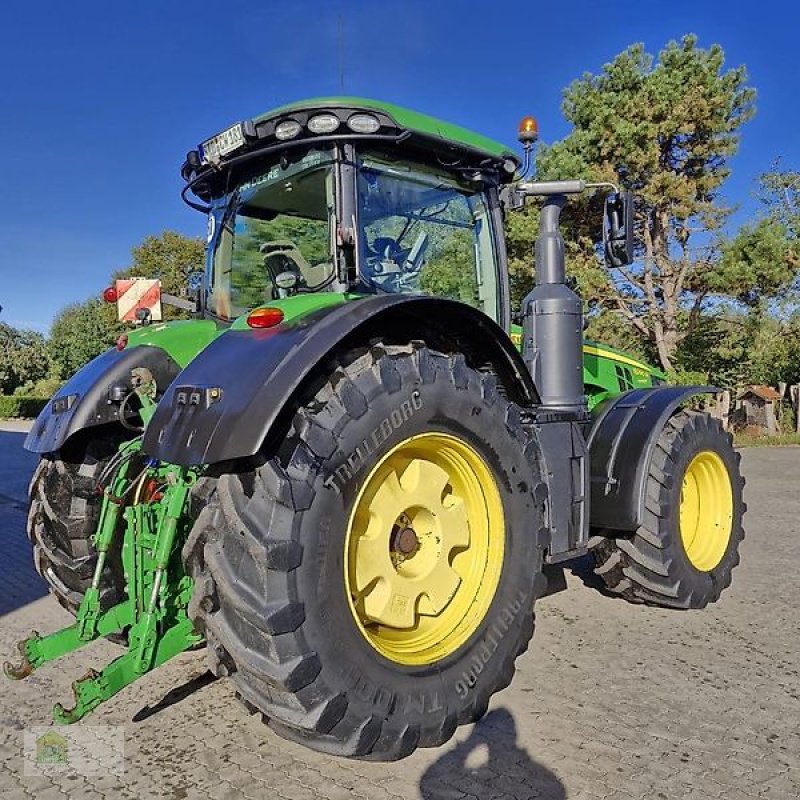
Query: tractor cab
x=345, y=195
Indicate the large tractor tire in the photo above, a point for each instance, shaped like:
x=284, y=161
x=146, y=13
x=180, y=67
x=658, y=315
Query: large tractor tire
x=63, y=516
x=684, y=553
x=369, y=580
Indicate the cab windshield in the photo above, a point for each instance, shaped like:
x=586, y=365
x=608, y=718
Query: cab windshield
x=421, y=231
x=271, y=235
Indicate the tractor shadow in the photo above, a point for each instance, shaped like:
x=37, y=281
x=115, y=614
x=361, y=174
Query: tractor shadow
x=583, y=568
x=174, y=696
x=490, y=763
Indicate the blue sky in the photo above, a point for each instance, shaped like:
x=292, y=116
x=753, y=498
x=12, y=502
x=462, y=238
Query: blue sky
x=101, y=101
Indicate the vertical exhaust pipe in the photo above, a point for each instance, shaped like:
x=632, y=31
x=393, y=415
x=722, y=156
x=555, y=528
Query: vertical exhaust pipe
x=553, y=313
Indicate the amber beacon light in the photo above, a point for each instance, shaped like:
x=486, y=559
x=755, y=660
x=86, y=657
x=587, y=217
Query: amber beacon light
x=528, y=131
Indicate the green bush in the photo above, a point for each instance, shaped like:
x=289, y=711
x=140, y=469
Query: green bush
x=46, y=387
x=18, y=406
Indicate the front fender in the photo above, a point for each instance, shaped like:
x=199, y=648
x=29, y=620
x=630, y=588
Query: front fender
x=84, y=399
x=224, y=403
x=624, y=433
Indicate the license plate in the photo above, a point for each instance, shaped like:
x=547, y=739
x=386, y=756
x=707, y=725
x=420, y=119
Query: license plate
x=222, y=144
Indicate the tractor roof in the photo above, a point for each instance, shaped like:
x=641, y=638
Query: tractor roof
x=405, y=118
x=387, y=125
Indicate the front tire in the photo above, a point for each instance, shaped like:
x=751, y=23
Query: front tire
x=684, y=553
x=369, y=584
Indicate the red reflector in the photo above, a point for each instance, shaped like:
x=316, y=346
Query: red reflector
x=264, y=317
x=122, y=342
x=110, y=295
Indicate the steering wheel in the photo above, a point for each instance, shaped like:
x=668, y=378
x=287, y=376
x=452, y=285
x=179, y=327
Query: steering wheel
x=415, y=257
x=384, y=248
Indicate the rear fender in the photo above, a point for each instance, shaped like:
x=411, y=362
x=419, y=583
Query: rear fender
x=85, y=401
x=623, y=436
x=227, y=399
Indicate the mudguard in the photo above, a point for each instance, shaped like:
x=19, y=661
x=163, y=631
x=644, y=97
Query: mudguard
x=85, y=401
x=624, y=432
x=225, y=401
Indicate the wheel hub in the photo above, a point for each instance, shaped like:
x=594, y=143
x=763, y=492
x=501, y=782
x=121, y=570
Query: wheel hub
x=424, y=547
x=404, y=541
x=706, y=510
x=418, y=580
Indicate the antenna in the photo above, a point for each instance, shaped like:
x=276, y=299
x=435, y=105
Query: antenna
x=340, y=49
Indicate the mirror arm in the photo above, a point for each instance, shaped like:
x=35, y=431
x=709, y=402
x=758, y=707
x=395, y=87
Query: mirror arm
x=550, y=188
x=604, y=185
x=178, y=302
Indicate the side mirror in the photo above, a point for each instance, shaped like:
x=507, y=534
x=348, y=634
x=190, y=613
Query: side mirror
x=193, y=289
x=194, y=286
x=194, y=283
x=618, y=229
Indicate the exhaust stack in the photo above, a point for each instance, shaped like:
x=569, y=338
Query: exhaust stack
x=553, y=313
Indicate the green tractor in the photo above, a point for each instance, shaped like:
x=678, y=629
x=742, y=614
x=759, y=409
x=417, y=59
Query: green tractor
x=349, y=476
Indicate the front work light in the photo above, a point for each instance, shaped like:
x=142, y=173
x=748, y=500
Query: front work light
x=287, y=129
x=323, y=123
x=363, y=123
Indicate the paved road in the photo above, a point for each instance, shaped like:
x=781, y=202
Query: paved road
x=611, y=701
x=19, y=583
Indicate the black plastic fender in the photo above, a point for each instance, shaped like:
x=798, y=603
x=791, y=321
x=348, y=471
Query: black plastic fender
x=225, y=401
x=623, y=435
x=84, y=399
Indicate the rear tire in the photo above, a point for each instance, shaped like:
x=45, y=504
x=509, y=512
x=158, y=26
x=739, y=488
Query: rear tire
x=63, y=516
x=684, y=553
x=269, y=555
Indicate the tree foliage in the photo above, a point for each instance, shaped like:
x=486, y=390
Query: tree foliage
x=450, y=269
x=759, y=263
x=80, y=332
x=170, y=256
x=666, y=127
x=23, y=358
x=762, y=261
x=780, y=194
x=735, y=347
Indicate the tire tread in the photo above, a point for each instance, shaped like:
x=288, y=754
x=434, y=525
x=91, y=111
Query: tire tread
x=234, y=559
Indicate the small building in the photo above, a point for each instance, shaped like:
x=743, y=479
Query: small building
x=756, y=409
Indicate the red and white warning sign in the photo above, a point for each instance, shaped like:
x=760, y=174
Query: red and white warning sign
x=137, y=293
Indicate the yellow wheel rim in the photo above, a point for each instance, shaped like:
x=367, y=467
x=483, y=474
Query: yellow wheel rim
x=706, y=513
x=424, y=549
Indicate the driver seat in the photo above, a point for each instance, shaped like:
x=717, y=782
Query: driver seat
x=281, y=256
x=383, y=247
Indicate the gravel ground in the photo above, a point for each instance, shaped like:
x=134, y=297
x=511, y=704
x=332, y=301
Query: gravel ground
x=610, y=701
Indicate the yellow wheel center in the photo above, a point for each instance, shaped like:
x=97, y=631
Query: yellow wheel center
x=424, y=549
x=706, y=512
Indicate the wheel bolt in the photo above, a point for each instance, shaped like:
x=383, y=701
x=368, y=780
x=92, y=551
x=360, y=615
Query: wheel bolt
x=404, y=541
